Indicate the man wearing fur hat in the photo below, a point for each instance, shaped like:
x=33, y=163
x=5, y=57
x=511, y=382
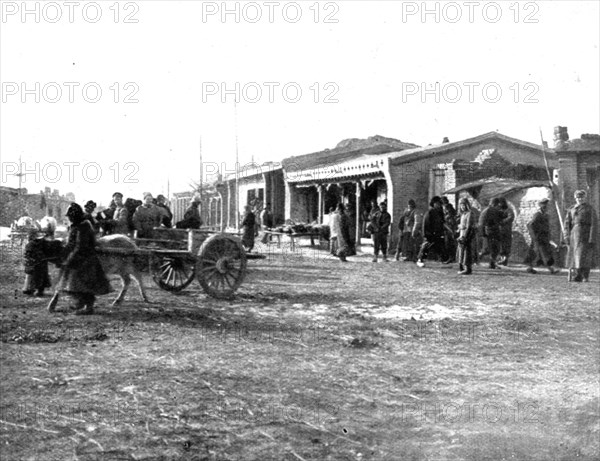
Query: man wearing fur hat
x=581, y=228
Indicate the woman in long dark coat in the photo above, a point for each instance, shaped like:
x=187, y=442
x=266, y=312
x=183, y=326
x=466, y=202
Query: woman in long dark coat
x=581, y=227
x=83, y=277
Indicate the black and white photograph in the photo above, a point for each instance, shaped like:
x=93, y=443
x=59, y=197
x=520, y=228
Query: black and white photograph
x=299, y=230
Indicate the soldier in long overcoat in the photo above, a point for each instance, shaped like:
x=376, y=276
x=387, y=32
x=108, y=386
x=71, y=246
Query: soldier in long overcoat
x=83, y=277
x=581, y=227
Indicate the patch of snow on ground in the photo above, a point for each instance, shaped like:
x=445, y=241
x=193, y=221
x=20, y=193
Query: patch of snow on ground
x=423, y=312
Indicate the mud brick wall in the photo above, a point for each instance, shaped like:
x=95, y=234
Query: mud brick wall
x=413, y=179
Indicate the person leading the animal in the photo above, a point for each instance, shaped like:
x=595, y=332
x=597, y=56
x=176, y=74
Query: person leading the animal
x=83, y=277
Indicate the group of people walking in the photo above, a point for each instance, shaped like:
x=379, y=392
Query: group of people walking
x=467, y=236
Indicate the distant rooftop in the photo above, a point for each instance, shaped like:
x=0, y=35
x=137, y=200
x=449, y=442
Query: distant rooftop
x=587, y=143
x=346, y=150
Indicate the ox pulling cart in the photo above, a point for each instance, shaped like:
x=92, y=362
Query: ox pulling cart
x=176, y=256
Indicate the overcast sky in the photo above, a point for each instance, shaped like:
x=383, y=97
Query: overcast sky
x=361, y=67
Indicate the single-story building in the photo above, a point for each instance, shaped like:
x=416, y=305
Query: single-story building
x=358, y=172
x=578, y=168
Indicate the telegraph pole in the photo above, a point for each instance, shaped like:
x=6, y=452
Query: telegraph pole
x=201, y=179
x=20, y=175
x=237, y=160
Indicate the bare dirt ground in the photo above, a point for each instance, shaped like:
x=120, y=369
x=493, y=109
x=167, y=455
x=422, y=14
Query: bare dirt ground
x=313, y=360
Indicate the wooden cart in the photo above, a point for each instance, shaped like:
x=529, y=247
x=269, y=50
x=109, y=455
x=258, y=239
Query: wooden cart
x=177, y=256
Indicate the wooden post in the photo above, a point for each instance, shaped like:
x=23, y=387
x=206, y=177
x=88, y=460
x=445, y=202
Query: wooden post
x=358, y=214
x=190, y=240
x=321, y=204
x=228, y=204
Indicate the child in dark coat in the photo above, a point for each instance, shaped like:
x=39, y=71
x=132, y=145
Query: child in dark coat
x=35, y=264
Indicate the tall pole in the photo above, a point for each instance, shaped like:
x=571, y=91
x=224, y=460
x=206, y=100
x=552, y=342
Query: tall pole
x=201, y=179
x=20, y=175
x=237, y=160
x=551, y=184
x=201, y=168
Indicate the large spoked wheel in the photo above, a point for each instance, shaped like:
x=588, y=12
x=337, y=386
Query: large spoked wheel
x=174, y=273
x=221, y=266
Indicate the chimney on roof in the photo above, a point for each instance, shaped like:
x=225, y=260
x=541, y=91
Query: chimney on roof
x=545, y=144
x=445, y=140
x=561, y=134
